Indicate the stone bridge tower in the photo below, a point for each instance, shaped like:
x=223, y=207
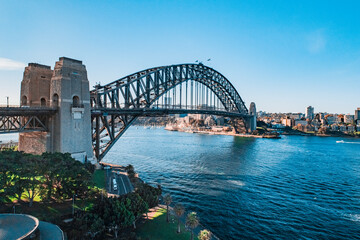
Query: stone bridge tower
x=252, y=111
x=35, y=91
x=67, y=89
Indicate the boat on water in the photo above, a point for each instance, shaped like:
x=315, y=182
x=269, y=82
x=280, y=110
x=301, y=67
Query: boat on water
x=341, y=141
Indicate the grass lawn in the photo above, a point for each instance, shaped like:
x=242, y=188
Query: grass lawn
x=47, y=211
x=158, y=229
x=98, y=178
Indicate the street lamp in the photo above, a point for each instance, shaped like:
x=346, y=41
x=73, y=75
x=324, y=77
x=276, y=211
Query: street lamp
x=7, y=101
x=73, y=205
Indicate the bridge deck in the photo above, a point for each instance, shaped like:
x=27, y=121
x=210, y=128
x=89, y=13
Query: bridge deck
x=26, y=111
x=158, y=112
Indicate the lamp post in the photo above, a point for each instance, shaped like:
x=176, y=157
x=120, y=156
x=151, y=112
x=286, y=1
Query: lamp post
x=73, y=205
x=7, y=101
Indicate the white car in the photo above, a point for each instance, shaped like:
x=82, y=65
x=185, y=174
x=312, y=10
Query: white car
x=114, y=184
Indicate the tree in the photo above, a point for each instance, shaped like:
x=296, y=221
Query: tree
x=96, y=225
x=33, y=189
x=204, y=235
x=167, y=200
x=179, y=211
x=149, y=194
x=64, y=176
x=192, y=221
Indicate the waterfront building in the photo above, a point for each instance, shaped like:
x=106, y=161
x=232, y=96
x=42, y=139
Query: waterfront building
x=349, y=118
x=342, y=128
x=340, y=118
x=357, y=115
x=351, y=128
x=334, y=127
x=296, y=116
x=301, y=122
x=331, y=119
x=309, y=112
x=289, y=122
x=220, y=120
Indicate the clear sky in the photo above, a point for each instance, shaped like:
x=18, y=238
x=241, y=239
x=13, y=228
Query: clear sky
x=283, y=55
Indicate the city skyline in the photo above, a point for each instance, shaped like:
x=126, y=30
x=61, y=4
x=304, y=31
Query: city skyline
x=282, y=56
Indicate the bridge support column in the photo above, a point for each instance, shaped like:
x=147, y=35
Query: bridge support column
x=67, y=89
x=72, y=123
x=251, y=121
x=35, y=90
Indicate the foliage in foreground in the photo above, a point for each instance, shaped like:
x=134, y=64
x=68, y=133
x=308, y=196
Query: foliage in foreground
x=113, y=215
x=50, y=176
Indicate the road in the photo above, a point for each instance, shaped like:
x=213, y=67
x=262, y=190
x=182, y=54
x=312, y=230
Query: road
x=124, y=185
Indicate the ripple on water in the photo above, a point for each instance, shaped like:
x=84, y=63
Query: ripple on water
x=291, y=188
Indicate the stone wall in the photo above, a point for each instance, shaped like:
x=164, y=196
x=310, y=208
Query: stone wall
x=34, y=142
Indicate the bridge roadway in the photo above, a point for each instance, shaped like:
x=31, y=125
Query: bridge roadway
x=26, y=111
x=41, y=111
x=148, y=112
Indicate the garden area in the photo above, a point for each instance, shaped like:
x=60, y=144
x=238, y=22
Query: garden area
x=56, y=188
x=156, y=228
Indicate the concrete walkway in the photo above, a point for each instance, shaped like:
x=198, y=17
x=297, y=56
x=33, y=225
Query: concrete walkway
x=50, y=231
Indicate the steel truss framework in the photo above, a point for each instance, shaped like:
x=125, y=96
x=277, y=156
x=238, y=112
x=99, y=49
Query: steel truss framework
x=24, y=119
x=115, y=106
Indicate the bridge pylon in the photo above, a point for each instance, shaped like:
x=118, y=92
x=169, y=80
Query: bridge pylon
x=67, y=89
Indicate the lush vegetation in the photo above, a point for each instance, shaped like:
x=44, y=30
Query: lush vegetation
x=159, y=229
x=48, y=177
x=114, y=215
x=45, y=185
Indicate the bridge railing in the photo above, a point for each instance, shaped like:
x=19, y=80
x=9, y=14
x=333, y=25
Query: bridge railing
x=178, y=106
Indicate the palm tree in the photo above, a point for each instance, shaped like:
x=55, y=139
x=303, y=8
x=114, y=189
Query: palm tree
x=192, y=221
x=204, y=235
x=167, y=200
x=179, y=211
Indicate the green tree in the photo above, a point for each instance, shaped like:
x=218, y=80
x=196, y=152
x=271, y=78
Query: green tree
x=65, y=176
x=192, y=221
x=167, y=200
x=149, y=193
x=179, y=211
x=204, y=235
x=33, y=188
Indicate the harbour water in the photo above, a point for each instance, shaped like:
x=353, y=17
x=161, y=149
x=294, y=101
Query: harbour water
x=295, y=187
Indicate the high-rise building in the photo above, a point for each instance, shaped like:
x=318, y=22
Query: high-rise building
x=309, y=112
x=357, y=115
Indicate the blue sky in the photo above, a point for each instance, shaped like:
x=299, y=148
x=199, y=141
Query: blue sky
x=283, y=55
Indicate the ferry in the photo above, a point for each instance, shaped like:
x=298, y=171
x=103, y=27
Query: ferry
x=341, y=141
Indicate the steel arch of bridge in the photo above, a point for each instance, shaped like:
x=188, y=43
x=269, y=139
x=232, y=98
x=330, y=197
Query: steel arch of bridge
x=115, y=106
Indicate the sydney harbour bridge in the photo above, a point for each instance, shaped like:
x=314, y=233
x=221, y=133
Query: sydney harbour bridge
x=60, y=113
